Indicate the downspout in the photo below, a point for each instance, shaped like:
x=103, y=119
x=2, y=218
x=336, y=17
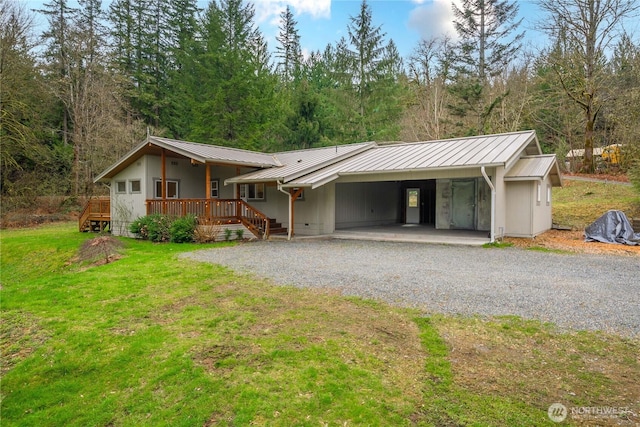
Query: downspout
x=290, y=227
x=493, y=203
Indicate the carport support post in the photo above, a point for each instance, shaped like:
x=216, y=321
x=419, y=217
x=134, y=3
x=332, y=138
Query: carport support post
x=493, y=204
x=294, y=193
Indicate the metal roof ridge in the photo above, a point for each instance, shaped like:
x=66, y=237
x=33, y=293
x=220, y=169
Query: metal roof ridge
x=459, y=138
x=330, y=162
x=372, y=143
x=167, y=144
x=202, y=144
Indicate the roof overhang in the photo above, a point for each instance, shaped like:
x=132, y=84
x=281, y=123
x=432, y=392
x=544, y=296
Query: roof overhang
x=535, y=168
x=313, y=184
x=530, y=147
x=155, y=146
x=253, y=177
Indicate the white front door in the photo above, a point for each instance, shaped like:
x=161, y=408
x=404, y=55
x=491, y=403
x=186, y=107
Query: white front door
x=413, y=206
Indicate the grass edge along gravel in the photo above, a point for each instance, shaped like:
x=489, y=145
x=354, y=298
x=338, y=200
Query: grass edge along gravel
x=152, y=340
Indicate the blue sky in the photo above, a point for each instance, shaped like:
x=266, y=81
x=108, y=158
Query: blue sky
x=405, y=21
x=324, y=21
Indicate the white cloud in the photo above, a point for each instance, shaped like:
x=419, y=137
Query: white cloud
x=433, y=20
x=269, y=10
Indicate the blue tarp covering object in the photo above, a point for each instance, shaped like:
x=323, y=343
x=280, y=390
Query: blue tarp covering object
x=612, y=227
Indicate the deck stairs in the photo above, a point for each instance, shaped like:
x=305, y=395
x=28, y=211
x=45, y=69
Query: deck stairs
x=96, y=216
x=276, y=227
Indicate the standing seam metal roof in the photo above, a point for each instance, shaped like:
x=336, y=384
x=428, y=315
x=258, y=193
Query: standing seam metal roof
x=535, y=167
x=216, y=153
x=446, y=154
x=301, y=162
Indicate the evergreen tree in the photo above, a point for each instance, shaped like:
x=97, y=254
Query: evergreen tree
x=288, y=50
x=367, y=55
x=180, y=73
x=142, y=42
x=234, y=96
x=58, y=15
x=487, y=47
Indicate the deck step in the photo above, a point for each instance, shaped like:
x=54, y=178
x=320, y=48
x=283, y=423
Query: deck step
x=278, y=230
x=276, y=227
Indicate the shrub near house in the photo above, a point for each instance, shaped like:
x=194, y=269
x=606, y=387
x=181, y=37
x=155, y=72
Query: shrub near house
x=163, y=228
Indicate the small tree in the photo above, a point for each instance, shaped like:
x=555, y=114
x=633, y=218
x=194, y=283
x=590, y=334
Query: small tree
x=103, y=246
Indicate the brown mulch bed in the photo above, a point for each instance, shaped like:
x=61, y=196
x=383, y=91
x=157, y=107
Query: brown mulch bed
x=601, y=176
x=572, y=241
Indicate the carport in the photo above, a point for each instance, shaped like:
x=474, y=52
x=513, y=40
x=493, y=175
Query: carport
x=414, y=233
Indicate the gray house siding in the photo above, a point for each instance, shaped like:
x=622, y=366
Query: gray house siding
x=367, y=204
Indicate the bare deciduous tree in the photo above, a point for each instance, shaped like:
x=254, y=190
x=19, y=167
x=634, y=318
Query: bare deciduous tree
x=588, y=27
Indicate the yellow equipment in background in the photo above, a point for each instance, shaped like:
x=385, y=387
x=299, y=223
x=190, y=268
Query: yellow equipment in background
x=611, y=154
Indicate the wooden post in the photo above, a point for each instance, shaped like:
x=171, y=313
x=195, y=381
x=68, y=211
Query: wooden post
x=163, y=160
x=294, y=194
x=237, y=186
x=207, y=173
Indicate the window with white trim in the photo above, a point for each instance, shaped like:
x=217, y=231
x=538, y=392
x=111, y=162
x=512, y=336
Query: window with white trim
x=135, y=186
x=121, y=187
x=215, y=191
x=252, y=191
x=548, y=194
x=172, y=187
x=539, y=196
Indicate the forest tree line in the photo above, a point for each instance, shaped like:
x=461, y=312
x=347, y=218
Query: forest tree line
x=78, y=96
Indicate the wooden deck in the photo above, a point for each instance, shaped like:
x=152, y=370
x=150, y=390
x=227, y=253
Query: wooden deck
x=96, y=216
x=217, y=211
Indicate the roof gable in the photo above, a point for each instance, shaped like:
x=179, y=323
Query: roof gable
x=202, y=153
x=529, y=168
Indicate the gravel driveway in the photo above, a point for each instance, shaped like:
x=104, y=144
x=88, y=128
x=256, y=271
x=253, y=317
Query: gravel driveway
x=593, y=292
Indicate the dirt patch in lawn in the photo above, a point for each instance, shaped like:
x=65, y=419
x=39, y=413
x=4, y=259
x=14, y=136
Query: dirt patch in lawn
x=513, y=357
x=20, y=336
x=572, y=241
x=276, y=330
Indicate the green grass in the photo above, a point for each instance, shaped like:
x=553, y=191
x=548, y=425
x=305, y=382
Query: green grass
x=498, y=244
x=154, y=339
x=579, y=203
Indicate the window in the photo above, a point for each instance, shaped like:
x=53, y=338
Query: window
x=300, y=196
x=172, y=189
x=539, y=193
x=548, y=194
x=134, y=186
x=121, y=187
x=214, y=189
x=252, y=191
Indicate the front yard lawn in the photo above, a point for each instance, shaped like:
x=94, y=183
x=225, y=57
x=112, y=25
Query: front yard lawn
x=150, y=339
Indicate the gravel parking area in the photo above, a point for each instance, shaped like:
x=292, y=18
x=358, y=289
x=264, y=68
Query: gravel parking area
x=577, y=291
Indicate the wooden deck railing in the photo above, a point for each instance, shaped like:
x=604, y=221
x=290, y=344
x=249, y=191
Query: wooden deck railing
x=210, y=211
x=96, y=209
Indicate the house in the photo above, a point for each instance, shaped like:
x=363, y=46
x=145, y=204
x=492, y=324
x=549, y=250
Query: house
x=500, y=184
x=610, y=155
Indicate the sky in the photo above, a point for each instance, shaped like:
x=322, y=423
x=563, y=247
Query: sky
x=405, y=21
x=321, y=22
